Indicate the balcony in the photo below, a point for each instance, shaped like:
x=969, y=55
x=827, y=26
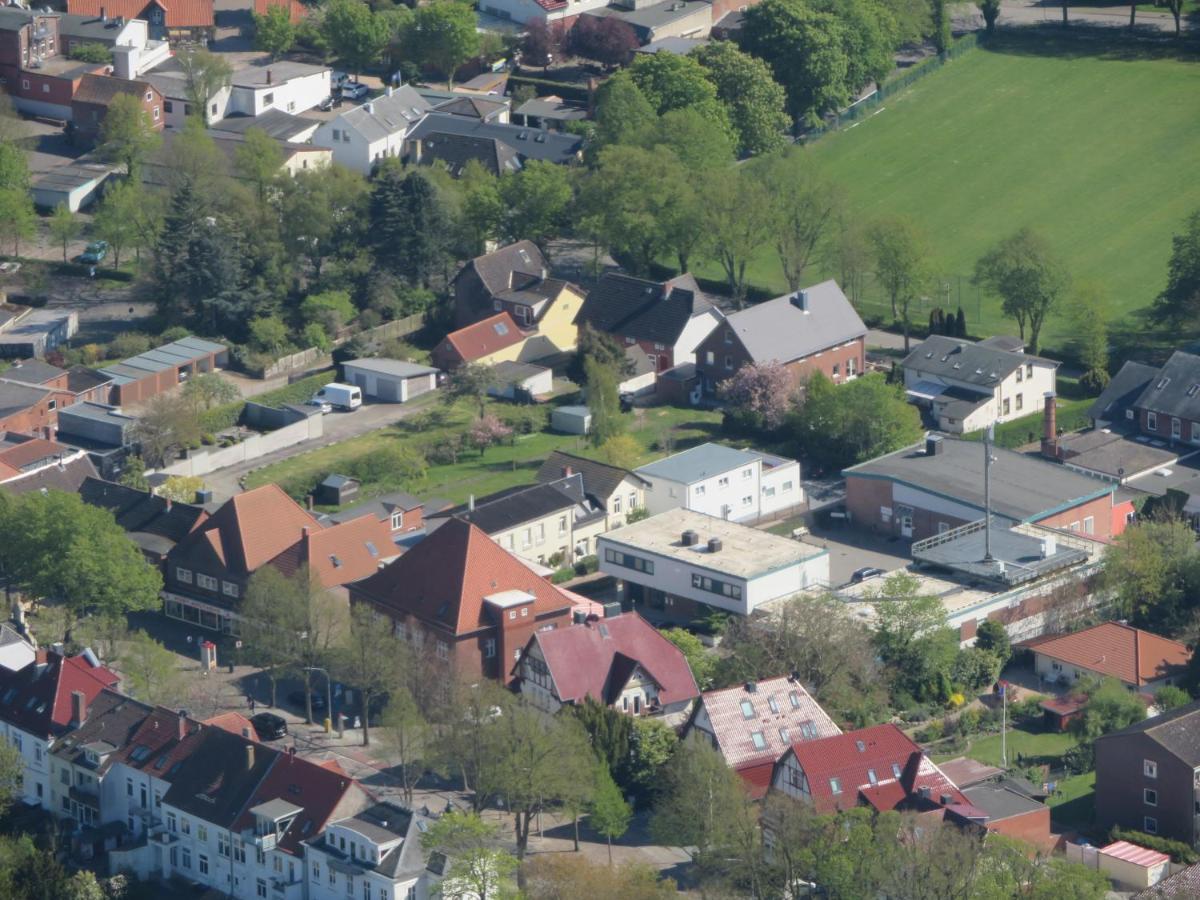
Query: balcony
x=265, y=842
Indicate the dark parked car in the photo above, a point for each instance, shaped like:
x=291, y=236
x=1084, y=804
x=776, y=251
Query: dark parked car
x=297, y=698
x=269, y=726
x=333, y=101
x=864, y=573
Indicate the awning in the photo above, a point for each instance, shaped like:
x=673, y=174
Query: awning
x=926, y=390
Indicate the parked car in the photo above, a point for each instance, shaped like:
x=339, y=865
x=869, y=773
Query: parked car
x=269, y=726
x=333, y=101
x=94, y=252
x=861, y=575
x=297, y=699
x=355, y=90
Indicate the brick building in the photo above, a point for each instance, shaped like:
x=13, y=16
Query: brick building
x=36, y=73
x=188, y=19
x=463, y=595
x=156, y=371
x=813, y=330
x=96, y=93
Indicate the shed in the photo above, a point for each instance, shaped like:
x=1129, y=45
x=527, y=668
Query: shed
x=390, y=380
x=571, y=419
x=75, y=185
x=521, y=381
x=1133, y=867
x=336, y=490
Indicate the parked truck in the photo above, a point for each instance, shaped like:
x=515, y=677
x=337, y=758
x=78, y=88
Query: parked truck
x=339, y=396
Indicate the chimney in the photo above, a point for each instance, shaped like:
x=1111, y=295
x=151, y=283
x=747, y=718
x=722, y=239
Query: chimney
x=308, y=501
x=800, y=301
x=249, y=757
x=57, y=647
x=689, y=538
x=78, y=708
x=567, y=471
x=181, y=726
x=947, y=799
x=169, y=501
x=924, y=792
x=1050, y=427
x=390, y=90
x=471, y=503
x=934, y=445
x=370, y=108
x=270, y=80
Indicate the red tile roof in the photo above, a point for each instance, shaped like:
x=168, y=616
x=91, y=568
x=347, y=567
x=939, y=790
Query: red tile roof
x=178, y=13
x=297, y=9
x=485, y=337
x=37, y=698
x=253, y=528
x=444, y=579
x=774, y=704
x=880, y=765
x=596, y=660
x=757, y=778
x=341, y=553
x=1120, y=651
x=157, y=748
x=234, y=723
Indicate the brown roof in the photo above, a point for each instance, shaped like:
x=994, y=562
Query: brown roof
x=1120, y=651
x=341, y=553
x=445, y=578
x=485, y=337
x=253, y=528
x=178, y=13
x=33, y=451
x=297, y=9
x=102, y=89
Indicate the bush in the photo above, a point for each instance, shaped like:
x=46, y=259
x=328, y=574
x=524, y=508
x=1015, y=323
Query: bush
x=221, y=417
x=969, y=721
x=929, y=734
x=128, y=343
x=525, y=419
x=1180, y=853
x=91, y=52
x=587, y=565
x=396, y=464
x=295, y=393
x=563, y=575
x=447, y=451
x=1080, y=759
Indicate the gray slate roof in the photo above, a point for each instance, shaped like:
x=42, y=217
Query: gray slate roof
x=386, y=115
x=396, y=367
x=508, y=509
x=550, y=108
x=66, y=477
x=32, y=371
x=503, y=269
x=778, y=330
x=1000, y=800
x=275, y=73
x=1183, y=885
x=1175, y=390
x=1177, y=731
x=600, y=480
x=1122, y=391
x=275, y=122
x=1024, y=488
x=698, y=463
x=526, y=143
x=977, y=364
x=15, y=397
x=626, y=306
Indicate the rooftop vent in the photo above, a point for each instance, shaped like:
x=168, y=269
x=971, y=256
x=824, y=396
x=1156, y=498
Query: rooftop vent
x=714, y=545
x=800, y=301
x=934, y=445
x=751, y=687
x=689, y=538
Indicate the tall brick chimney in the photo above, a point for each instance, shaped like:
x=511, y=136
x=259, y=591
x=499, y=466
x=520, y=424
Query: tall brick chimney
x=78, y=708
x=1050, y=427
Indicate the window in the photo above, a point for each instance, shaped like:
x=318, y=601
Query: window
x=524, y=612
x=760, y=742
x=632, y=501
x=1006, y=406
x=526, y=539
x=171, y=824
x=182, y=574
x=187, y=857
x=214, y=109
x=835, y=786
x=316, y=871
x=1129, y=414
x=895, y=770
x=794, y=699
x=708, y=357
x=629, y=561
x=206, y=581
x=201, y=833
x=512, y=614
x=397, y=520
x=773, y=702
x=489, y=648
x=1150, y=825
x=1196, y=432
x=443, y=649
x=1029, y=370
x=261, y=888
x=203, y=861
x=1089, y=525
x=747, y=709
x=185, y=826
x=728, y=362
x=156, y=114
x=617, y=504
x=229, y=589
x=723, y=482
x=268, y=99
x=1020, y=375
x=747, y=500
x=1020, y=401
x=1149, y=768
x=24, y=84
x=837, y=371
x=872, y=777
x=851, y=363
x=1150, y=796
x=700, y=490
x=168, y=106
x=562, y=526
x=223, y=844
x=728, y=336
x=541, y=533
x=1151, y=421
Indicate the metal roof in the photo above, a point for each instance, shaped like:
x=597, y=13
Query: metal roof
x=698, y=463
x=397, y=367
x=780, y=330
x=181, y=352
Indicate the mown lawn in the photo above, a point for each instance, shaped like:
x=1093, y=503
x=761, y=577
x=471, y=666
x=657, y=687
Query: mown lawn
x=1073, y=804
x=1090, y=141
x=1034, y=746
x=498, y=468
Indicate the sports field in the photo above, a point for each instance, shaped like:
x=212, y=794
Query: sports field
x=1092, y=143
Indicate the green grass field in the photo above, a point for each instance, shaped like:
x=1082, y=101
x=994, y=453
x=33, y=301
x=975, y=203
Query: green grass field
x=1089, y=141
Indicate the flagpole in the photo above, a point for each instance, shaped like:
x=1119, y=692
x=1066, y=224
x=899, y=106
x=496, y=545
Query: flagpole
x=1003, y=725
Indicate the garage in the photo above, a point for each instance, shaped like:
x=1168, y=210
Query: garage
x=523, y=382
x=390, y=380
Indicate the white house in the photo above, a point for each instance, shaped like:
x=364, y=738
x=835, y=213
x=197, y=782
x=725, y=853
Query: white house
x=684, y=563
x=15, y=652
x=968, y=386
x=363, y=135
x=375, y=853
x=548, y=11
x=738, y=485
x=289, y=87
x=390, y=379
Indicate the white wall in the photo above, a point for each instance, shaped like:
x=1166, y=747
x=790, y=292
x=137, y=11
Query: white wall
x=904, y=495
x=174, y=118
x=206, y=461
x=523, y=11
x=710, y=496
x=1031, y=390
x=696, y=330
x=773, y=497
x=293, y=96
x=35, y=753
x=807, y=573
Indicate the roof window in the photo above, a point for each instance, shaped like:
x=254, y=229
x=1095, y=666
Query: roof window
x=747, y=709
x=760, y=742
x=500, y=328
x=872, y=777
x=1162, y=384
x=860, y=746
x=895, y=770
x=835, y=785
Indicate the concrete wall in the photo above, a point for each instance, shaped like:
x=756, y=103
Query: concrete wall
x=267, y=418
x=205, y=461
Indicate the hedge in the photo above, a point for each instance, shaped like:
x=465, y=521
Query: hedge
x=1179, y=852
x=564, y=89
x=229, y=414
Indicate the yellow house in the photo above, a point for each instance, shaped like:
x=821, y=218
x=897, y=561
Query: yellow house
x=549, y=307
x=495, y=339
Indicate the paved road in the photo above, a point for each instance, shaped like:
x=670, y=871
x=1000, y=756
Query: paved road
x=339, y=426
x=1032, y=12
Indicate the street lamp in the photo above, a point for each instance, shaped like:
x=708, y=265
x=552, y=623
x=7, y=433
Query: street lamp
x=328, y=696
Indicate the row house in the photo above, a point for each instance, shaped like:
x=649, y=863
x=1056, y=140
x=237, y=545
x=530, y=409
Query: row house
x=617, y=491
x=34, y=67
x=1162, y=402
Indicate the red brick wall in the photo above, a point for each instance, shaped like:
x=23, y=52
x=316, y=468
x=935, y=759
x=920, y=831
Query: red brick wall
x=824, y=362
x=37, y=418
x=42, y=88
x=1032, y=827
x=864, y=496
x=89, y=116
x=800, y=370
x=1099, y=509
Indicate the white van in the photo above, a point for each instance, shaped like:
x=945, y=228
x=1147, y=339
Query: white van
x=339, y=396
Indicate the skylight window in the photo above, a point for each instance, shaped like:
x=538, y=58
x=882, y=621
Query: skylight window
x=872, y=777
x=372, y=549
x=835, y=785
x=501, y=328
x=895, y=770
x=760, y=742
x=747, y=709
x=861, y=746
x=1162, y=384
x=773, y=703
x=795, y=698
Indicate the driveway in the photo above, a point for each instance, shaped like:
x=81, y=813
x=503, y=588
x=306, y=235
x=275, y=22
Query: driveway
x=339, y=426
x=851, y=550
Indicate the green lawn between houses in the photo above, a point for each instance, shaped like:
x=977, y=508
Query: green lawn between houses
x=499, y=468
x=1088, y=140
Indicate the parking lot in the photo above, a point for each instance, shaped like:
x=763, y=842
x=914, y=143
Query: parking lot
x=850, y=551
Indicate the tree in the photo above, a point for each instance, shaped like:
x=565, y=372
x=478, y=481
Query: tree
x=552, y=876
x=738, y=220
x=1176, y=8
x=477, y=866
x=258, y=158
x=870, y=36
x=269, y=621
x=12, y=776
x=699, y=794
x=64, y=227
x=14, y=167
x=481, y=214
x=134, y=475
x=1028, y=276
x=354, y=34
x=488, y=430
x=1153, y=571
x=699, y=142
x=991, y=11
x=672, y=82
x=857, y=421
x=757, y=396
x=410, y=225
x=409, y=738
x=913, y=639
x=621, y=450
x=444, y=36
x=462, y=749
x=623, y=113
x=365, y=660
x=167, y=425
x=541, y=42
x=210, y=389
x=604, y=402
x=205, y=75
x=470, y=381
x=274, y=32
x=608, y=41
x=993, y=637
x=181, y=488
x=1089, y=308
x=941, y=24
x=805, y=49
x=1110, y=706
x=332, y=310
x=114, y=221
x=17, y=217
x=536, y=199
x=803, y=205
x=151, y=671
x=269, y=334
x=702, y=663
x=610, y=814
x=127, y=134
x=1170, y=697
x=901, y=264
x=1008, y=870
x=1179, y=302
x=757, y=104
